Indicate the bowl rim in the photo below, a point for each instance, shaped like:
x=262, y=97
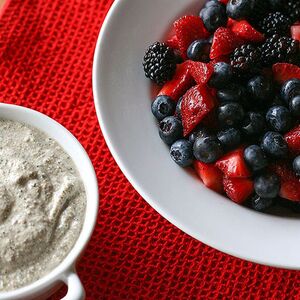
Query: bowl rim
x=59, y=273
x=99, y=59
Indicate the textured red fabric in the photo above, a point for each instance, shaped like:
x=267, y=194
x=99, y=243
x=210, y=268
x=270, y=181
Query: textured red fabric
x=46, y=49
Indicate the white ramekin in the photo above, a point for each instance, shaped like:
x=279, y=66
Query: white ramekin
x=65, y=272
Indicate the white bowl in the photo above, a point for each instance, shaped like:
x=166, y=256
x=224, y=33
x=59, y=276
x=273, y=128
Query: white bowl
x=65, y=271
x=122, y=99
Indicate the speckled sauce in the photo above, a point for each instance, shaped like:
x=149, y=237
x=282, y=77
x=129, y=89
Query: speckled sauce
x=42, y=204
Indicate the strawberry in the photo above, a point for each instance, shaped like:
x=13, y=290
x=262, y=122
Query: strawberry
x=180, y=83
x=231, y=22
x=224, y=42
x=173, y=42
x=283, y=72
x=196, y=104
x=234, y=165
x=224, y=1
x=188, y=29
x=295, y=32
x=238, y=189
x=211, y=176
x=201, y=72
x=246, y=32
x=290, y=183
x=293, y=140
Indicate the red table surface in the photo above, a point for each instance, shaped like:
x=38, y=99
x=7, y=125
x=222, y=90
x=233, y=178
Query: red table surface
x=46, y=51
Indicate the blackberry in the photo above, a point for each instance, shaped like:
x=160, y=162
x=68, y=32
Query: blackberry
x=159, y=63
x=279, y=49
x=246, y=59
x=275, y=23
x=292, y=9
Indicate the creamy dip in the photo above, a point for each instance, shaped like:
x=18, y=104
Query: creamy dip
x=42, y=204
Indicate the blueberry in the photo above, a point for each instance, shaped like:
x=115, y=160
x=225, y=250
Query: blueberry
x=231, y=94
x=230, y=114
x=199, y=132
x=295, y=106
x=170, y=130
x=214, y=17
x=253, y=124
x=229, y=138
x=255, y=158
x=162, y=107
x=208, y=149
x=290, y=89
x=267, y=185
x=261, y=204
x=182, y=153
x=274, y=145
x=212, y=3
x=178, y=109
x=222, y=76
x=239, y=9
x=296, y=165
x=260, y=88
x=279, y=119
x=199, y=50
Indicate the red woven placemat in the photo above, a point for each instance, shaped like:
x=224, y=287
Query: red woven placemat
x=46, y=49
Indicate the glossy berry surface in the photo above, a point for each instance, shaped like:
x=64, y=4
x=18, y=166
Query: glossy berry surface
x=274, y=145
x=296, y=165
x=222, y=76
x=255, y=158
x=279, y=119
x=295, y=106
x=170, y=130
x=261, y=204
x=267, y=186
x=182, y=153
x=290, y=89
x=208, y=149
x=214, y=17
x=253, y=124
x=230, y=138
x=230, y=114
x=199, y=50
x=162, y=107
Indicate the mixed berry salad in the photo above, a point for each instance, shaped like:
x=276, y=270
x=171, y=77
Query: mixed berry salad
x=229, y=99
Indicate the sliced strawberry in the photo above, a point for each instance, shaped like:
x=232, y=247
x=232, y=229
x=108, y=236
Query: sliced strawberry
x=231, y=22
x=238, y=189
x=290, y=183
x=189, y=29
x=283, y=72
x=224, y=42
x=180, y=83
x=233, y=164
x=295, y=32
x=224, y=1
x=293, y=140
x=201, y=72
x=211, y=176
x=196, y=104
x=173, y=42
x=246, y=32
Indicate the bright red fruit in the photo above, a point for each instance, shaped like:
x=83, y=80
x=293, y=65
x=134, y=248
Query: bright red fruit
x=246, y=32
x=238, y=189
x=224, y=1
x=283, y=72
x=211, y=176
x=234, y=165
x=295, y=32
x=293, y=140
x=231, y=22
x=201, y=72
x=290, y=183
x=189, y=29
x=180, y=83
x=224, y=42
x=173, y=42
x=196, y=104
